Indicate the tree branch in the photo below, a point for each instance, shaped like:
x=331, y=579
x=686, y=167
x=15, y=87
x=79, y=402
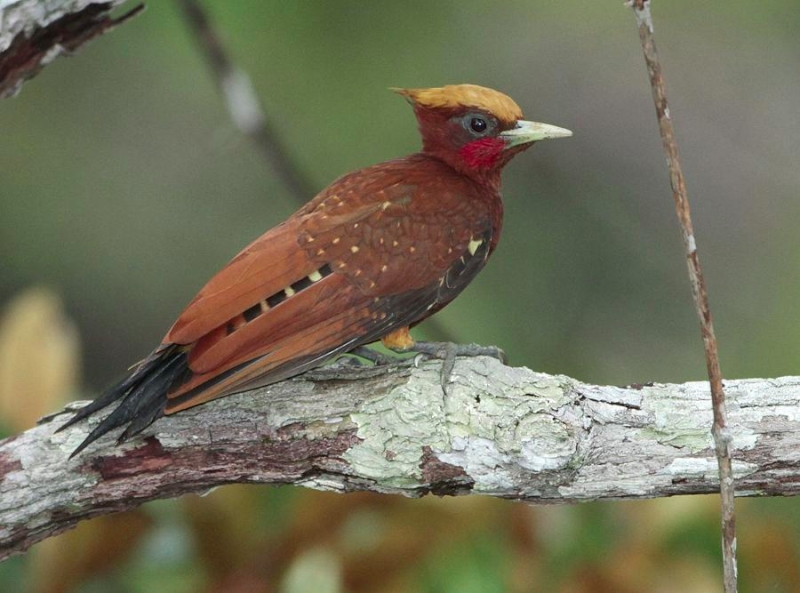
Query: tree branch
x=33, y=33
x=501, y=431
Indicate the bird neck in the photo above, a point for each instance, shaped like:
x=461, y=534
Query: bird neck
x=487, y=178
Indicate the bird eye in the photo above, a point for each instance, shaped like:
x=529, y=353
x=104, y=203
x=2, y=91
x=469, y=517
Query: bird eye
x=478, y=125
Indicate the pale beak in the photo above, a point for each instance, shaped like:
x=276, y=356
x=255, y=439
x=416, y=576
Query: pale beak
x=526, y=132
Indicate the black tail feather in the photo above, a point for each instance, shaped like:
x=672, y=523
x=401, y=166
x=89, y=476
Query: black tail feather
x=151, y=399
x=143, y=394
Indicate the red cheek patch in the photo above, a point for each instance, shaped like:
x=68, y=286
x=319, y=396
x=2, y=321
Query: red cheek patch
x=483, y=153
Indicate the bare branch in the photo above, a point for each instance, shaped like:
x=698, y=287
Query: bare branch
x=720, y=428
x=500, y=431
x=33, y=33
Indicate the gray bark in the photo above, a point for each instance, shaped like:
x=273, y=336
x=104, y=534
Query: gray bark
x=33, y=33
x=499, y=431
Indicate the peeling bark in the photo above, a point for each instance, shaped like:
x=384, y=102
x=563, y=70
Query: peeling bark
x=500, y=431
x=33, y=33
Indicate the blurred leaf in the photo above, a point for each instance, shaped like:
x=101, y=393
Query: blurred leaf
x=315, y=570
x=39, y=358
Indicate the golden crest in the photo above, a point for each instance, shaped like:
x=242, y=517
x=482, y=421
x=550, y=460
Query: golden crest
x=455, y=96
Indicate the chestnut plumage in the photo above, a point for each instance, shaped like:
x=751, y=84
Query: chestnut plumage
x=374, y=253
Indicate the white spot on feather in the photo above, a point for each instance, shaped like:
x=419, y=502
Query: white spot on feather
x=473, y=245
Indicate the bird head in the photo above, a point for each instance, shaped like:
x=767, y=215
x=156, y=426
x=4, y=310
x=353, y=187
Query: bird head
x=474, y=129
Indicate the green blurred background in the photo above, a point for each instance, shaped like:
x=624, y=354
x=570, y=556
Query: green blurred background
x=124, y=186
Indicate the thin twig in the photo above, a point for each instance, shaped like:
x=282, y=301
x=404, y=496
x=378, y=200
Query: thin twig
x=722, y=440
x=244, y=106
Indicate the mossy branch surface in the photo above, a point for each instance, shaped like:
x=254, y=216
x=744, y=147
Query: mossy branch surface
x=500, y=431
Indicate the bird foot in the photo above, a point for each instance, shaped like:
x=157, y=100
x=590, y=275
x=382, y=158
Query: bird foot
x=448, y=351
x=373, y=356
x=358, y=363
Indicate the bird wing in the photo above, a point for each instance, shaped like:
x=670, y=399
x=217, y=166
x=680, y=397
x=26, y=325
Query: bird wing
x=365, y=258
